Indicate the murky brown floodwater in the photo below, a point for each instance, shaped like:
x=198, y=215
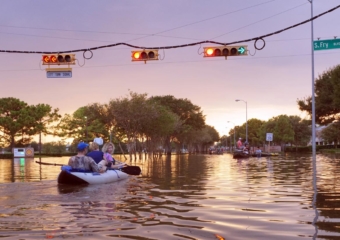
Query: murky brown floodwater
x=185, y=197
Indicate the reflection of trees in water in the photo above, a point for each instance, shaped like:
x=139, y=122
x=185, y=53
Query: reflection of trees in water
x=19, y=170
x=296, y=171
x=176, y=171
x=328, y=196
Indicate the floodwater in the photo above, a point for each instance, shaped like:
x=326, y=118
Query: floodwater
x=182, y=197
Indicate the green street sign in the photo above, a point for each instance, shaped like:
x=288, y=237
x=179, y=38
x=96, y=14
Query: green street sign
x=326, y=44
x=241, y=50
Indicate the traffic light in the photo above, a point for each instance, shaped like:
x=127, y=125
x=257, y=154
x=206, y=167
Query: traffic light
x=225, y=51
x=59, y=59
x=144, y=55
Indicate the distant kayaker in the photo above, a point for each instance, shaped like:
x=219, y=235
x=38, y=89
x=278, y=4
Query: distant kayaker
x=239, y=143
x=258, y=152
x=82, y=162
x=246, y=148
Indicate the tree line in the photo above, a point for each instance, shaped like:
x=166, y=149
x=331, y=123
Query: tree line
x=296, y=131
x=162, y=123
x=152, y=124
x=286, y=130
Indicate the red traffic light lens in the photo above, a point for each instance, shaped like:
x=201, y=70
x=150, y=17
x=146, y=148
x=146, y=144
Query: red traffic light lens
x=53, y=59
x=144, y=55
x=46, y=58
x=217, y=52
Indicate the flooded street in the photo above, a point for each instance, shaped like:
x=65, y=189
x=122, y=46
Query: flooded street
x=182, y=197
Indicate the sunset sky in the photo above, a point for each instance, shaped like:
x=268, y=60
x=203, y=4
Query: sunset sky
x=271, y=81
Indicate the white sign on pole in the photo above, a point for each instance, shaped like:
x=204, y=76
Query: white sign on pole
x=67, y=74
x=269, y=137
x=58, y=72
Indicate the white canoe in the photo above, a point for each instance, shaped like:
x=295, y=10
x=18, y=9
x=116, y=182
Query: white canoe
x=77, y=178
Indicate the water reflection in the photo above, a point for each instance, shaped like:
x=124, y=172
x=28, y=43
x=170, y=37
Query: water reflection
x=178, y=197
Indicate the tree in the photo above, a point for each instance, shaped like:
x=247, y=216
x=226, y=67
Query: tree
x=13, y=119
x=191, y=116
x=159, y=125
x=73, y=126
x=331, y=133
x=302, y=130
x=129, y=113
x=281, y=128
x=44, y=115
x=20, y=121
x=327, y=97
x=254, y=131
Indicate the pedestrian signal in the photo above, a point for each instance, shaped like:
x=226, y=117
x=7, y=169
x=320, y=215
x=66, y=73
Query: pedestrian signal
x=225, y=51
x=144, y=55
x=59, y=59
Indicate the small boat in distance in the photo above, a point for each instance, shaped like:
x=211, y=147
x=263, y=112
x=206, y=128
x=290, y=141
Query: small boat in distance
x=238, y=153
x=264, y=154
x=241, y=154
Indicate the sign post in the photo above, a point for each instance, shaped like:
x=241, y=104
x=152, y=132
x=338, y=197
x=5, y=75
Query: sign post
x=269, y=138
x=326, y=44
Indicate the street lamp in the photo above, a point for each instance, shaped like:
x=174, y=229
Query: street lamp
x=237, y=100
x=85, y=129
x=234, y=133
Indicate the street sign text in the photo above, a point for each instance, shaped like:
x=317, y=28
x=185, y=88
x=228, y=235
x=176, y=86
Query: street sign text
x=326, y=44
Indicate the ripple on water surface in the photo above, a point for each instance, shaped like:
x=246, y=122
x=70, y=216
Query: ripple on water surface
x=183, y=197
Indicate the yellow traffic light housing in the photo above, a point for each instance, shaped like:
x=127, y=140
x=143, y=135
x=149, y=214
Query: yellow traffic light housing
x=226, y=51
x=59, y=59
x=144, y=55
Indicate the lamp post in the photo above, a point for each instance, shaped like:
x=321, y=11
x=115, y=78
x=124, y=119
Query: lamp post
x=85, y=129
x=313, y=131
x=237, y=100
x=234, y=133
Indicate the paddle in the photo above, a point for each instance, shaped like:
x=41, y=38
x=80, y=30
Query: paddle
x=53, y=164
x=131, y=170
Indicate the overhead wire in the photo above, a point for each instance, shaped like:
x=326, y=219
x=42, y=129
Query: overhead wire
x=175, y=46
x=203, y=20
x=221, y=35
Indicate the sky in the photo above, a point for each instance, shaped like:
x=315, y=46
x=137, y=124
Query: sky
x=269, y=81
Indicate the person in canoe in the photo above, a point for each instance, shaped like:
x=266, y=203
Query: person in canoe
x=109, y=161
x=239, y=143
x=95, y=153
x=258, y=152
x=83, y=162
x=246, y=148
